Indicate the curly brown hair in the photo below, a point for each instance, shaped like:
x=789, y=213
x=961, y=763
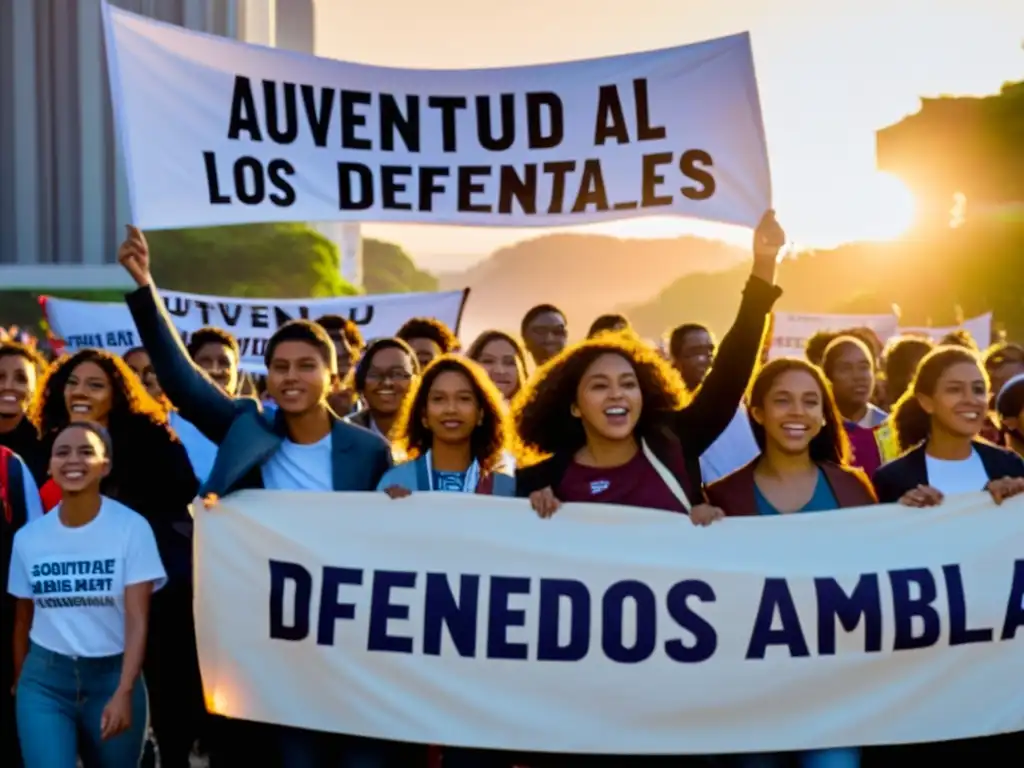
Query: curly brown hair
x=541, y=411
x=489, y=439
x=131, y=406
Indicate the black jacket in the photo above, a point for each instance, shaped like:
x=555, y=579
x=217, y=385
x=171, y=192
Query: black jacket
x=910, y=470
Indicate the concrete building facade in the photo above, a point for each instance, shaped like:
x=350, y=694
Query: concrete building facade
x=63, y=192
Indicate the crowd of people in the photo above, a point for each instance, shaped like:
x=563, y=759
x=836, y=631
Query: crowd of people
x=102, y=458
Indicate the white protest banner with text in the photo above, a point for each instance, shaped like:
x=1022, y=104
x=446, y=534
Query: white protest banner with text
x=791, y=331
x=216, y=131
x=465, y=620
x=252, y=321
x=979, y=327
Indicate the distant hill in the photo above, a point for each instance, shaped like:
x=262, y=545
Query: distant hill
x=976, y=267
x=585, y=275
x=387, y=268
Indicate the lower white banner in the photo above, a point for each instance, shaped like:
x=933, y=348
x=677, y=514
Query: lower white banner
x=109, y=325
x=468, y=621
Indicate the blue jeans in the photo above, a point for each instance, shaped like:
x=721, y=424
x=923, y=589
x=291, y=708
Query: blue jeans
x=60, y=702
x=842, y=757
x=301, y=748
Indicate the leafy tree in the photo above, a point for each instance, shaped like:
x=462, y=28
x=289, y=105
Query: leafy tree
x=387, y=268
x=248, y=261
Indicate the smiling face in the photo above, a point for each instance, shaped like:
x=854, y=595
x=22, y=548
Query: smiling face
x=221, y=363
x=388, y=379
x=792, y=413
x=499, y=359
x=608, y=398
x=17, y=385
x=453, y=410
x=88, y=394
x=79, y=460
x=960, y=401
x=298, y=379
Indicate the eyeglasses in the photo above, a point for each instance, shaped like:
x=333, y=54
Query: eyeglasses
x=394, y=374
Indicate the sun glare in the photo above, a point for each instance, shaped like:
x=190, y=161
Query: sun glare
x=889, y=208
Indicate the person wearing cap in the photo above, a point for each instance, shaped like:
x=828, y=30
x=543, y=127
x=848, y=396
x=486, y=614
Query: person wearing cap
x=1010, y=407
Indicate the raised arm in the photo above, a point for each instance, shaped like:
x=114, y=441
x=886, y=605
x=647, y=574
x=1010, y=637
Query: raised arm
x=714, y=405
x=189, y=389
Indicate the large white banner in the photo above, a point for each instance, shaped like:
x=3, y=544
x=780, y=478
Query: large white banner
x=467, y=620
x=792, y=331
x=216, y=131
x=979, y=327
x=252, y=321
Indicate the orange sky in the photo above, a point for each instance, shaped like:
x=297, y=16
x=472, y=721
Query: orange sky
x=830, y=73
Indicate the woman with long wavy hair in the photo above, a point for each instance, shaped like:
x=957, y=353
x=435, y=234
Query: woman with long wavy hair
x=153, y=477
x=453, y=431
x=804, y=464
x=611, y=422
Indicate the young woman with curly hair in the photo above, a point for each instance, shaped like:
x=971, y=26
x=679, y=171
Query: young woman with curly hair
x=453, y=430
x=153, y=477
x=613, y=421
x=937, y=422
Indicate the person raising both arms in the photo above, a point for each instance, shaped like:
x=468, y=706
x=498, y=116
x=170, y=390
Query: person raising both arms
x=612, y=418
x=79, y=652
x=453, y=430
x=303, y=446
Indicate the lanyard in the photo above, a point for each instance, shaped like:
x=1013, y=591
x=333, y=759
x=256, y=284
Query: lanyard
x=470, y=482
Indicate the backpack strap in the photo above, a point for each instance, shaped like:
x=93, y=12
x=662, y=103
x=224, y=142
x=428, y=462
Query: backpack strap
x=666, y=475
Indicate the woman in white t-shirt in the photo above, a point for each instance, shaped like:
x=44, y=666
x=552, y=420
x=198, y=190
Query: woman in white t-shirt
x=938, y=422
x=83, y=575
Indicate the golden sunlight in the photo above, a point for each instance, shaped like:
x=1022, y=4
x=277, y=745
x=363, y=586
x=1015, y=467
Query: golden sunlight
x=890, y=208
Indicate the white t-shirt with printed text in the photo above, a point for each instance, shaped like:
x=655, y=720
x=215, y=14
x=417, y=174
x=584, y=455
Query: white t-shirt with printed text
x=77, y=577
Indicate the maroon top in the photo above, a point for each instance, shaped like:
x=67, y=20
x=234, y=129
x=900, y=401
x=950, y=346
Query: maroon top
x=634, y=484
